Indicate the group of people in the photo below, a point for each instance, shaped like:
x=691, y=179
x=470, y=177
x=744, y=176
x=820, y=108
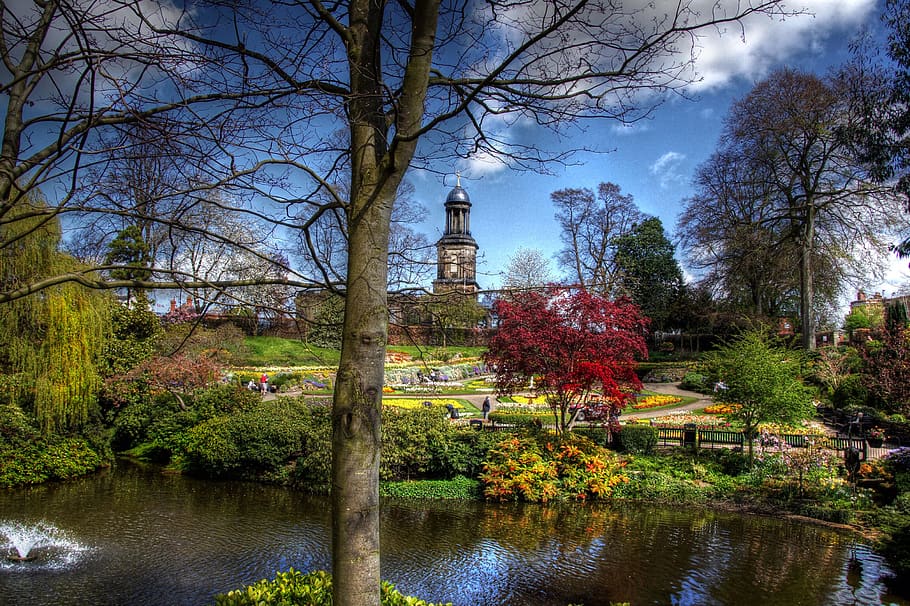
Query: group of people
x=262, y=387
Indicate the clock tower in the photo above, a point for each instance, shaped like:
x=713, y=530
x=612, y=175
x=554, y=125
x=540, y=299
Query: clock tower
x=456, y=250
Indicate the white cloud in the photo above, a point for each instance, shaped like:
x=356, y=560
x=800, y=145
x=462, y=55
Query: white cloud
x=666, y=169
x=763, y=42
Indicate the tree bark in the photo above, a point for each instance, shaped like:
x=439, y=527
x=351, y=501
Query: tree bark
x=377, y=169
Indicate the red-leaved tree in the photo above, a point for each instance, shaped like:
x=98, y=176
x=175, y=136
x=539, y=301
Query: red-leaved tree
x=580, y=349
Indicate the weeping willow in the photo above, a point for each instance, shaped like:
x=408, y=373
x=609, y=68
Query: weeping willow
x=50, y=341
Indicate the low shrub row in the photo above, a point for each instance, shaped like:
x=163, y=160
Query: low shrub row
x=314, y=589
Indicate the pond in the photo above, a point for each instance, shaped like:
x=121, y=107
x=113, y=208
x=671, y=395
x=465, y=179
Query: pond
x=134, y=535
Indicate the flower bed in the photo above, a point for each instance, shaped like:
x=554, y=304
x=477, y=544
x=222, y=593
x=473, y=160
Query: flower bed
x=411, y=403
x=721, y=409
x=656, y=401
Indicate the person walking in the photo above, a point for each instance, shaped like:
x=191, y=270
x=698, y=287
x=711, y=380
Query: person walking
x=485, y=407
x=264, y=383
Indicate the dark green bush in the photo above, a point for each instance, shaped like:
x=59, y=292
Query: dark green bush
x=410, y=437
x=638, y=439
x=598, y=435
x=850, y=392
x=28, y=457
x=312, y=470
x=257, y=440
x=521, y=419
x=461, y=452
x=695, y=381
x=222, y=399
x=294, y=588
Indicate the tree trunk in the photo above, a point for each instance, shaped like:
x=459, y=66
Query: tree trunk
x=356, y=410
x=806, y=282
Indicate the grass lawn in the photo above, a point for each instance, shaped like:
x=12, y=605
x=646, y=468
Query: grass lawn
x=275, y=351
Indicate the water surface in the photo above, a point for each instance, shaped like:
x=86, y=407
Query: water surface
x=149, y=538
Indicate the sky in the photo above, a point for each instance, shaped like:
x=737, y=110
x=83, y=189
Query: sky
x=656, y=159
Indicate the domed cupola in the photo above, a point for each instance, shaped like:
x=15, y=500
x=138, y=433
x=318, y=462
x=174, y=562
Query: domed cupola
x=457, y=250
x=458, y=194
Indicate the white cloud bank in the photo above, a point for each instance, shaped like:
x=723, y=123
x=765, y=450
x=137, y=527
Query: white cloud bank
x=752, y=51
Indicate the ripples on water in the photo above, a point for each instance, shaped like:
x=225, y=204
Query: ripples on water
x=150, y=539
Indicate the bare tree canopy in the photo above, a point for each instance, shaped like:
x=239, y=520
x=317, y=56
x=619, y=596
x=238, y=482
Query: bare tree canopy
x=528, y=269
x=786, y=178
x=590, y=228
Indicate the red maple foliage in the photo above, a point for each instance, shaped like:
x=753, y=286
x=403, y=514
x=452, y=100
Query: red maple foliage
x=581, y=350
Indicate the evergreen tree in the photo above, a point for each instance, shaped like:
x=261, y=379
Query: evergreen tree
x=650, y=274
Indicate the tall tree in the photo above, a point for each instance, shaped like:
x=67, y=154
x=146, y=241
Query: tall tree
x=579, y=348
x=811, y=189
x=291, y=95
x=51, y=345
x=589, y=228
x=649, y=271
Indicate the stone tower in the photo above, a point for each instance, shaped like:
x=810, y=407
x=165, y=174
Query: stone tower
x=456, y=251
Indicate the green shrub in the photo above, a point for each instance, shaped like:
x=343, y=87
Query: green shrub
x=460, y=488
x=224, y=398
x=521, y=419
x=409, y=439
x=659, y=487
x=312, y=470
x=850, y=392
x=460, y=452
x=638, y=439
x=32, y=458
x=250, y=442
x=694, y=381
x=293, y=588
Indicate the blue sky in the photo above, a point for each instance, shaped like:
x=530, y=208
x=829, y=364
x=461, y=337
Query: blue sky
x=653, y=160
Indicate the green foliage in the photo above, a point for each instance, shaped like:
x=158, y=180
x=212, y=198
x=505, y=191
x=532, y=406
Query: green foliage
x=30, y=457
x=638, y=439
x=864, y=316
x=51, y=341
x=649, y=271
x=521, y=419
x=410, y=439
x=697, y=382
x=294, y=588
x=255, y=440
x=224, y=398
x=550, y=467
x=763, y=380
x=459, y=488
x=132, y=340
x=850, y=392
x=129, y=250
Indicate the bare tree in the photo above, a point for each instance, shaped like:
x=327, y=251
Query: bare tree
x=269, y=86
x=528, y=269
x=590, y=228
x=816, y=191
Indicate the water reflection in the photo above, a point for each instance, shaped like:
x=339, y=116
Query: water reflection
x=165, y=539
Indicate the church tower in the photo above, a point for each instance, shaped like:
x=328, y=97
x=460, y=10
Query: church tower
x=456, y=251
